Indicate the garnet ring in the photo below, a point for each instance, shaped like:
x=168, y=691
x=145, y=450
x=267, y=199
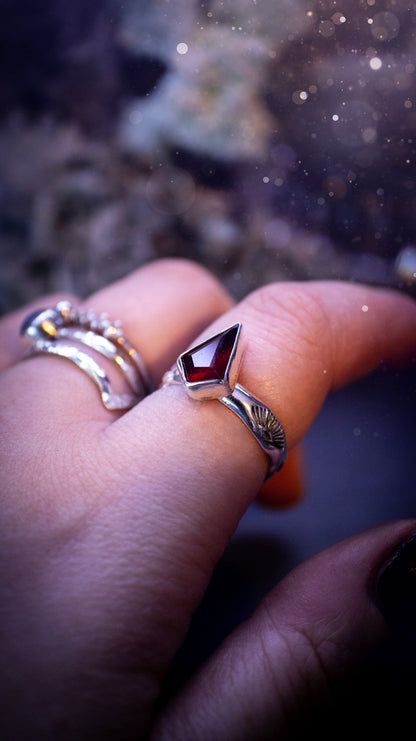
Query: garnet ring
x=210, y=370
x=71, y=333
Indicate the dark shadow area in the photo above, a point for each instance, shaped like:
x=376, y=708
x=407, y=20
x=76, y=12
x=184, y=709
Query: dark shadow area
x=66, y=61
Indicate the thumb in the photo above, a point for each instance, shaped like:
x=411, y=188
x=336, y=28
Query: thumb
x=275, y=673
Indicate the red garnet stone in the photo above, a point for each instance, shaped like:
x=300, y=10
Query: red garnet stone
x=209, y=361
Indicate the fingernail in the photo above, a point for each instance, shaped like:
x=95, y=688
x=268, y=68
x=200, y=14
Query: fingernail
x=396, y=589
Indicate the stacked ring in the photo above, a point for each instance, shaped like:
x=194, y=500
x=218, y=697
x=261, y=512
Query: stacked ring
x=207, y=371
x=61, y=330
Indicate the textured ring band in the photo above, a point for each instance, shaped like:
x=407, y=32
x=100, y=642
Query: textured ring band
x=209, y=371
x=60, y=330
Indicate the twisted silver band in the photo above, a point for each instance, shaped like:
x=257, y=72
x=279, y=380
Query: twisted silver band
x=217, y=380
x=61, y=330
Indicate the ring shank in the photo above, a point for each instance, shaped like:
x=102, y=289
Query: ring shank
x=257, y=417
x=263, y=424
x=111, y=401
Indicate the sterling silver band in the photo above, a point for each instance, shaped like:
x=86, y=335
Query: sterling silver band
x=257, y=417
x=63, y=331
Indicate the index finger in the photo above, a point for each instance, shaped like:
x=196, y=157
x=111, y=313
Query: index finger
x=302, y=340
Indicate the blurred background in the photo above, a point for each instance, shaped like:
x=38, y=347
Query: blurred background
x=266, y=139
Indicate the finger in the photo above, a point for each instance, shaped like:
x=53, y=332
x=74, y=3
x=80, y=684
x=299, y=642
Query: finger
x=160, y=307
x=302, y=341
x=184, y=472
x=277, y=673
x=287, y=486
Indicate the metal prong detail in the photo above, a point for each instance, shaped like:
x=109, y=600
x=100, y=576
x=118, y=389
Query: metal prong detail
x=59, y=331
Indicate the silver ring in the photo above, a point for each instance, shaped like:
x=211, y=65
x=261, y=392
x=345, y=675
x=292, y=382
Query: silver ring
x=63, y=329
x=210, y=370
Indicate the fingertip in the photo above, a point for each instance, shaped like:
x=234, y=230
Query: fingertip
x=287, y=487
x=171, y=277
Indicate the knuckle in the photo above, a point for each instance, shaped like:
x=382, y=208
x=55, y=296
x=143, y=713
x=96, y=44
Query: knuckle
x=303, y=670
x=299, y=315
x=189, y=272
x=313, y=648
x=297, y=305
x=195, y=281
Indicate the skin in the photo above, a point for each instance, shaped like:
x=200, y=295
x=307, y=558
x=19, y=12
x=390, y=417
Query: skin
x=112, y=524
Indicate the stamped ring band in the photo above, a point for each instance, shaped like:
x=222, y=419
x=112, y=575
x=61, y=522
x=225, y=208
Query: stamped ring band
x=65, y=331
x=210, y=370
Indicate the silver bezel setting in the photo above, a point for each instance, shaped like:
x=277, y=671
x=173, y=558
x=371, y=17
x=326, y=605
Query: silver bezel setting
x=215, y=388
x=257, y=417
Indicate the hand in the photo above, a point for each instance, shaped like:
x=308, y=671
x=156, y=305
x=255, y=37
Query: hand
x=112, y=524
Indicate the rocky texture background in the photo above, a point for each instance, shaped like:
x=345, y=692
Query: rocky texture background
x=266, y=139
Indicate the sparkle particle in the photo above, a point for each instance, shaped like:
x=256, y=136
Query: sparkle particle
x=375, y=63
